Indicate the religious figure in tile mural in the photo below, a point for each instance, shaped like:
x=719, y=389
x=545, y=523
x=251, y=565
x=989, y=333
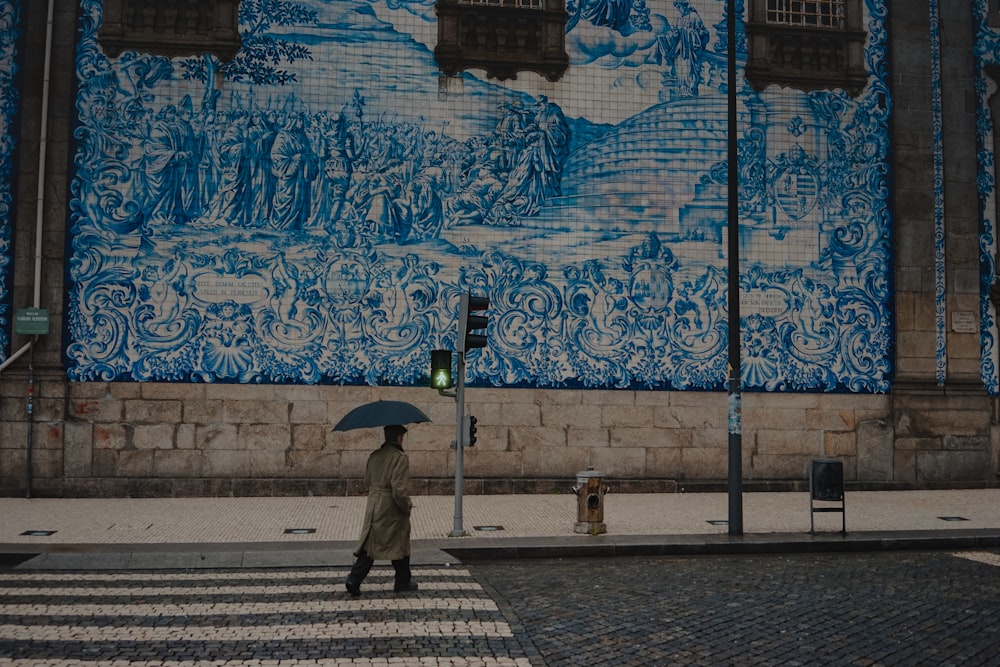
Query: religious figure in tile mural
x=312, y=211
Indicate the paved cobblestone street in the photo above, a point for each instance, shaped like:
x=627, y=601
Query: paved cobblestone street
x=913, y=608
x=258, y=617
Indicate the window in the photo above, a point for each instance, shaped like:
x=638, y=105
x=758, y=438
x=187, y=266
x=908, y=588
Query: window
x=170, y=28
x=802, y=13
x=503, y=37
x=806, y=44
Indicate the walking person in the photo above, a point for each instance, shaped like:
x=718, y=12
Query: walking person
x=386, y=531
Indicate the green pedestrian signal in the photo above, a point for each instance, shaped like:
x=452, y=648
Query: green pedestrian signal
x=441, y=377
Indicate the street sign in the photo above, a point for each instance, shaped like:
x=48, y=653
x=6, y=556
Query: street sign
x=31, y=321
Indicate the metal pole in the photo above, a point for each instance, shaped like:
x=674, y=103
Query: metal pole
x=735, y=485
x=458, y=531
x=31, y=418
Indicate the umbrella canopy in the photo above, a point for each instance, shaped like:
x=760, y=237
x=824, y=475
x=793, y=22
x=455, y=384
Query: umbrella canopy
x=381, y=413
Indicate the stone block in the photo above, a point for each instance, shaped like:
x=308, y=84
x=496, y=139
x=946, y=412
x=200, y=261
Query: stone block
x=309, y=412
x=789, y=441
x=152, y=412
x=313, y=464
x=960, y=442
x=485, y=463
x=46, y=464
x=226, y=463
x=520, y=414
x=620, y=461
x=574, y=416
x=714, y=438
x=607, y=397
x=951, y=466
x=525, y=438
x=184, y=436
x=839, y=444
x=701, y=417
x=112, y=436
x=176, y=391
x=177, y=463
x=664, y=462
x=588, y=437
x=697, y=463
x=774, y=418
x=876, y=451
x=628, y=416
x=48, y=435
x=784, y=466
x=105, y=463
x=559, y=397
x=96, y=409
x=830, y=419
x=135, y=463
x=256, y=412
x=309, y=437
x=217, y=437
x=155, y=436
x=427, y=464
x=637, y=437
x=204, y=412
x=268, y=463
x=353, y=462
x=265, y=437
x=79, y=449
x=555, y=461
x=49, y=409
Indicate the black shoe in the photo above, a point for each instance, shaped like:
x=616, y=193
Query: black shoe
x=353, y=589
x=411, y=585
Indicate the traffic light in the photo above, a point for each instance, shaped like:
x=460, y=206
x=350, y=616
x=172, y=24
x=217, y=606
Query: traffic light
x=441, y=369
x=469, y=323
x=469, y=431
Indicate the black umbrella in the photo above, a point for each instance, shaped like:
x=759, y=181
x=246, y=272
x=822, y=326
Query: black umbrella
x=381, y=413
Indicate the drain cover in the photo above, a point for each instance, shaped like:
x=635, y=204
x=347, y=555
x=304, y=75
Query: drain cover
x=953, y=518
x=718, y=522
x=299, y=531
x=38, y=533
x=487, y=528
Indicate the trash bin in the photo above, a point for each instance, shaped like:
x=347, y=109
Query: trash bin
x=826, y=484
x=590, y=490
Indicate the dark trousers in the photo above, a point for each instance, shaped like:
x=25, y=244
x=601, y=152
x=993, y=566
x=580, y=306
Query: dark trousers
x=363, y=565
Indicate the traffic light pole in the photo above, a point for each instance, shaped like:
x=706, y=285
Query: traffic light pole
x=458, y=530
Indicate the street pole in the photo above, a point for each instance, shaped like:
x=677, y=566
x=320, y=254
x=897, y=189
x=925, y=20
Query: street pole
x=735, y=485
x=458, y=530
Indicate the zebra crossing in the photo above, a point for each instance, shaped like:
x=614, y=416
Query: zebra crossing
x=252, y=617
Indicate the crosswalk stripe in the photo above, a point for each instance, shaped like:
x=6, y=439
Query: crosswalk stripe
x=264, y=617
x=195, y=609
x=192, y=633
x=146, y=589
x=450, y=661
x=248, y=575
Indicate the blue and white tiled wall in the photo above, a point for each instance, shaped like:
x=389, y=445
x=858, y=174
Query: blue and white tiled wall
x=987, y=54
x=314, y=220
x=11, y=54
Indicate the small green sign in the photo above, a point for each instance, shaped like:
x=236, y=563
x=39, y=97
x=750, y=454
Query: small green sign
x=31, y=321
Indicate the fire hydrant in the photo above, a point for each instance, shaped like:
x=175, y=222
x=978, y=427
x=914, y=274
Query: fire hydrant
x=590, y=490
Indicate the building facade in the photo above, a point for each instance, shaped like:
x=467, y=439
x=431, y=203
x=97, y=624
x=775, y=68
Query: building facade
x=244, y=219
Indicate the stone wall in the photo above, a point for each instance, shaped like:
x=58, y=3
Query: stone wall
x=121, y=439
x=132, y=439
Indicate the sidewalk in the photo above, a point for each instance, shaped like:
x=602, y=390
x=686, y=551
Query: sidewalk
x=258, y=532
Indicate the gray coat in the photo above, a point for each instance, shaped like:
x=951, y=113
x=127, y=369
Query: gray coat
x=386, y=531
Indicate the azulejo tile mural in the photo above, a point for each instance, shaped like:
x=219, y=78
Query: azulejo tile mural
x=987, y=55
x=311, y=212
x=11, y=34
